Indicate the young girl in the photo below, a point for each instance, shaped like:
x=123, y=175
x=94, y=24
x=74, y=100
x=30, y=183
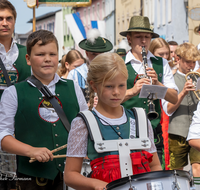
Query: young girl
x=69, y=62
x=107, y=79
x=159, y=47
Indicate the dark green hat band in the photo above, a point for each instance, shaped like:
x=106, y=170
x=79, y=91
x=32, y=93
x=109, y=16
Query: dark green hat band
x=140, y=28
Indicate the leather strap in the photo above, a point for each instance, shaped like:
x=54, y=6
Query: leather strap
x=8, y=82
x=52, y=100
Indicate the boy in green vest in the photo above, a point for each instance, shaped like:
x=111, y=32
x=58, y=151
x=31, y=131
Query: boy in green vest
x=138, y=35
x=181, y=113
x=25, y=112
x=11, y=53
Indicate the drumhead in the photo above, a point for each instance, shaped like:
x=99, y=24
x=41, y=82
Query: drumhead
x=148, y=176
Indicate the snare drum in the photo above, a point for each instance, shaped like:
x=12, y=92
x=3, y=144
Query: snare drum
x=8, y=164
x=159, y=180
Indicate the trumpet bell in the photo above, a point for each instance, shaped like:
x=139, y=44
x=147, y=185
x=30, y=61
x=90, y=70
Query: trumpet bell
x=194, y=76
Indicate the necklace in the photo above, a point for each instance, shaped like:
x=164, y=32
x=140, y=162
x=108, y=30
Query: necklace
x=108, y=125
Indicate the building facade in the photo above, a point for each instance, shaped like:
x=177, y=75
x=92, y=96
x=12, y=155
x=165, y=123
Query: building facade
x=125, y=9
x=194, y=21
x=169, y=18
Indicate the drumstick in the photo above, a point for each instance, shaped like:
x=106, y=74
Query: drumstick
x=53, y=151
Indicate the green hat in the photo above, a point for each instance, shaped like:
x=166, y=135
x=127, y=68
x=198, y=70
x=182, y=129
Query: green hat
x=100, y=45
x=121, y=51
x=139, y=24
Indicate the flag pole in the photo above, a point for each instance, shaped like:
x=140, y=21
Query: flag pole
x=34, y=19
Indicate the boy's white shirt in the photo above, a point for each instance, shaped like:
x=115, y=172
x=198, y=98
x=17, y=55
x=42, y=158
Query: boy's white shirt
x=9, y=105
x=167, y=79
x=8, y=58
x=77, y=147
x=165, y=103
x=194, y=130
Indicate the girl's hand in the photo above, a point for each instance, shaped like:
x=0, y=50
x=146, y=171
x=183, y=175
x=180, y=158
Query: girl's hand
x=100, y=185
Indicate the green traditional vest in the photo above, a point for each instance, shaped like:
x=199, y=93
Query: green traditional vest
x=142, y=102
x=23, y=70
x=108, y=134
x=181, y=119
x=31, y=129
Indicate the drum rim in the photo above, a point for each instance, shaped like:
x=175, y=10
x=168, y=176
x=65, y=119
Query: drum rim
x=148, y=175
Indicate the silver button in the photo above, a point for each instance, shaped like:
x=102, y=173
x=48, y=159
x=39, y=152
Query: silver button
x=56, y=135
x=57, y=145
x=58, y=94
x=54, y=124
x=119, y=133
x=144, y=102
x=14, y=64
x=40, y=98
x=117, y=128
x=135, y=73
x=59, y=165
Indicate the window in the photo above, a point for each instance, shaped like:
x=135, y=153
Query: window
x=50, y=27
x=169, y=11
x=44, y=26
x=158, y=13
x=85, y=20
x=163, y=12
x=98, y=12
x=93, y=12
x=88, y=16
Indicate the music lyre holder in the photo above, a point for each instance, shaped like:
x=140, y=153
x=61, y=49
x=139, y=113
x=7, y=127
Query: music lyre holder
x=152, y=92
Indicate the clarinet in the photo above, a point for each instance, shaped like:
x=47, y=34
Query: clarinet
x=152, y=114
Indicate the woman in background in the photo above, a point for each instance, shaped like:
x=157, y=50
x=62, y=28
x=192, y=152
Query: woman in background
x=159, y=47
x=69, y=62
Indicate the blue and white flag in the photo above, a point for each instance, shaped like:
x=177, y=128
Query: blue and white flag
x=100, y=25
x=76, y=27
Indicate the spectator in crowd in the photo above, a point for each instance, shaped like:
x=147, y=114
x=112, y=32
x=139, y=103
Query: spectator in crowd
x=70, y=61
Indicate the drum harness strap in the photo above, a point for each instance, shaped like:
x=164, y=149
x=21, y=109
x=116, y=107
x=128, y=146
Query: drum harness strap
x=8, y=82
x=122, y=145
x=52, y=100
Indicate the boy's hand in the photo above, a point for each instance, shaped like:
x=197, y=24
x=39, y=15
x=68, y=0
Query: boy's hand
x=41, y=154
x=138, y=85
x=152, y=73
x=189, y=86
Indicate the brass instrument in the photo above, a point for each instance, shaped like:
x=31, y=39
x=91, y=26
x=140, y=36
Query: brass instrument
x=152, y=114
x=194, y=76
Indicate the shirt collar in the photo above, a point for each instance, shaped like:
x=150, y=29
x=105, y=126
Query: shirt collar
x=12, y=43
x=53, y=82
x=130, y=57
x=180, y=73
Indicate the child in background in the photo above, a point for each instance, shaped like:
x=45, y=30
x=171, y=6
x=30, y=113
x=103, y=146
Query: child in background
x=70, y=61
x=107, y=76
x=181, y=113
x=159, y=47
x=26, y=112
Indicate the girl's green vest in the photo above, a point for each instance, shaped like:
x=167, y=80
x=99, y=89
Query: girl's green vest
x=23, y=70
x=109, y=134
x=135, y=101
x=31, y=129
